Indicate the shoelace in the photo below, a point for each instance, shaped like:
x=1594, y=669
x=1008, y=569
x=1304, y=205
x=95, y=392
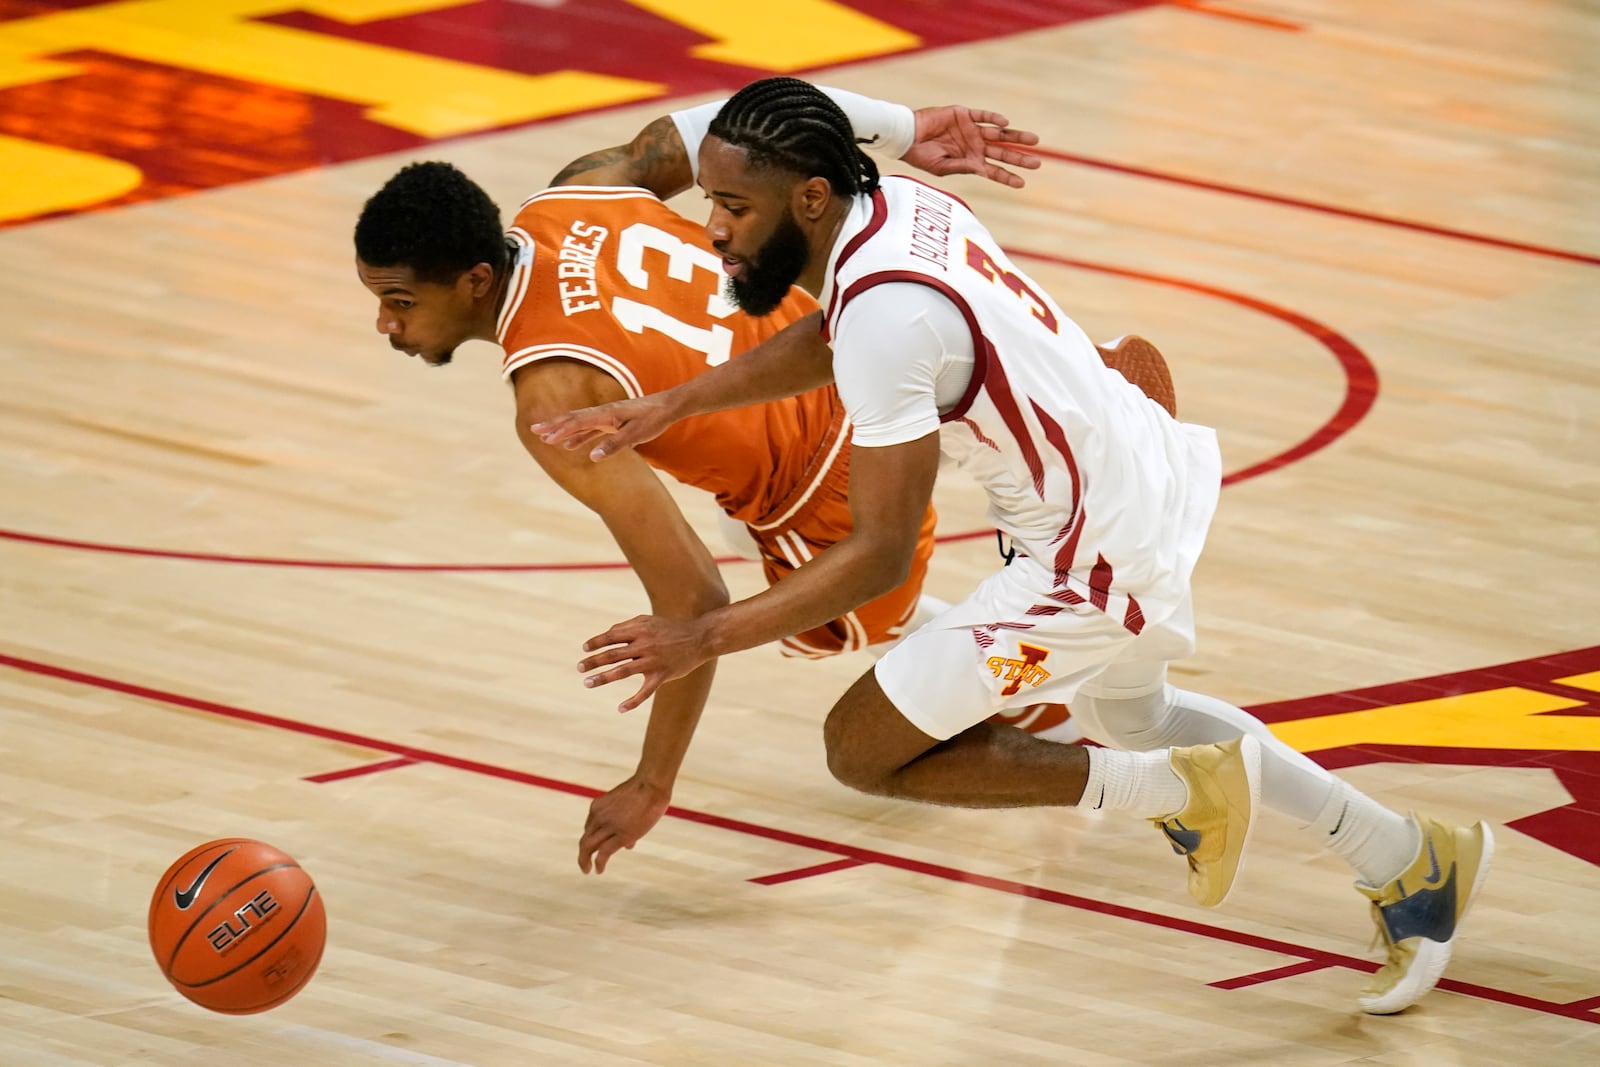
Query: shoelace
x=1380, y=933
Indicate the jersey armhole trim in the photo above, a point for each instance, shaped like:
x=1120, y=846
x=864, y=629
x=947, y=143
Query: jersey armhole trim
x=980, y=344
x=592, y=356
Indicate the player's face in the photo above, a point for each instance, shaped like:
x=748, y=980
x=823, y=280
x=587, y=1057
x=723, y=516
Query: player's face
x=423, y=319
x=752, y=224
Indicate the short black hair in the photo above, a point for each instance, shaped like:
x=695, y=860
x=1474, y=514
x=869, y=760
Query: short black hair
x=434, y=219
x=794, y=126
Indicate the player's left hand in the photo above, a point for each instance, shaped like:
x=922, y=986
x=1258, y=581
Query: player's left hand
x=964, y=140
x=617, y=820
x=653, y=646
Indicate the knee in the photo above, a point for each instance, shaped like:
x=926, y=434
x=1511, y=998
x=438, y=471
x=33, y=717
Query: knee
x=850, y=763
x=1133, y=724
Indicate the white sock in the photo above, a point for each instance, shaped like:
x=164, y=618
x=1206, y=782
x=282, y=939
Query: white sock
x=1141, y=782
x=1377, y=842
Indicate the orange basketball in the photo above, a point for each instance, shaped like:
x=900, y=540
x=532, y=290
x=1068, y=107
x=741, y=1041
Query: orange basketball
x=237, y=926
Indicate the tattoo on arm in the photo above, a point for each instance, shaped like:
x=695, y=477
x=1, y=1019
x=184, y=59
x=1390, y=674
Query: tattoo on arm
x=605, y=158
x=655, y=160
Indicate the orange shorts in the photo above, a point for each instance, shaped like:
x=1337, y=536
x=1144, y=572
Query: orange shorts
x=822, y=518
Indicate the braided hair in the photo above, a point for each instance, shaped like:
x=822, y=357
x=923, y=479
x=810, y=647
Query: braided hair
x=794, y=126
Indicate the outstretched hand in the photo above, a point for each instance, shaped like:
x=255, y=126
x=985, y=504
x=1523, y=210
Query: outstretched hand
x=963, y=140
x=606, y=429
x=655, y=647
x=617, y=820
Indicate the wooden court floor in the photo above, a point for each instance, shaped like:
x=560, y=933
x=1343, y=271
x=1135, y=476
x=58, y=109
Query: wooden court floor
x=260, y=576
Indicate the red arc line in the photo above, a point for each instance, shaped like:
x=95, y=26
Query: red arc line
x=1502, y=243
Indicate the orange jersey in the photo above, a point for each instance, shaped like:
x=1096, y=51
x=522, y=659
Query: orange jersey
x=614, y=278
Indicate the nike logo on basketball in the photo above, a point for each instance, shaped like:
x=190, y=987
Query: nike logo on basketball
x=185, y=897
x=1433, y=876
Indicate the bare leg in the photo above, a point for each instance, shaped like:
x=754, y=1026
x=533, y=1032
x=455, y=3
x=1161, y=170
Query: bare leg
x=871, y=747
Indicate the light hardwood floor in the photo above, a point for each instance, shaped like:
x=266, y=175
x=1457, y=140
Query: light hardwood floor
x=201, y=375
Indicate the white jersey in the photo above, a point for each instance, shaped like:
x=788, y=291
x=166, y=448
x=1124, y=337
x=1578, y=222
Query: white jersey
x=1086, y=475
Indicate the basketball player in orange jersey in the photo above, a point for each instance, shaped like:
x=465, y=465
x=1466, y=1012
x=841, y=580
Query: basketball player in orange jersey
x=598, y=292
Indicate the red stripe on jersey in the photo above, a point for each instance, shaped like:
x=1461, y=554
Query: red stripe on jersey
x=1133, y=621
x=1058, y=437
x=979, y=434
x=1068, y=551
x=1100, y=583
x=983, y=352
x=880, y=215
x=998, y=388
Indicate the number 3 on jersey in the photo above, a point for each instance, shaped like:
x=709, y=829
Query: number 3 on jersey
x=715, y=342
x=984, y=264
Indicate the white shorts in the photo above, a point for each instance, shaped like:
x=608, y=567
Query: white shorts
x=987, y=653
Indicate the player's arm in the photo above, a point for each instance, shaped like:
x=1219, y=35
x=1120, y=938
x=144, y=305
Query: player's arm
x=678, y=574
x=663, y=157
x=897, y=340
x=794, y=360
x=890, y=489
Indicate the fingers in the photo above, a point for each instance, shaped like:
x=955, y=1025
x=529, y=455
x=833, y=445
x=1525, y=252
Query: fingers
x=628, y=664
x=606, y=653
x=597, y=846
x=651, y=683
x=1001, y=176
x=1012, y=156
x=1008, y=136
x=987, y=118
x=615, y=674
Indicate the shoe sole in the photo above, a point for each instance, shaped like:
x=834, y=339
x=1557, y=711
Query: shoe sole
x=1434, y=956
x=1250, y=752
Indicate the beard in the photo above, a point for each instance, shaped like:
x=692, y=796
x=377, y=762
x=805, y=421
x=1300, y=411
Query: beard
x=772, y=271
x=441, y=359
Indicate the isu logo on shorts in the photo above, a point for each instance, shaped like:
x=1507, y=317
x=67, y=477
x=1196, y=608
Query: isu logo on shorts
x=1020, y=672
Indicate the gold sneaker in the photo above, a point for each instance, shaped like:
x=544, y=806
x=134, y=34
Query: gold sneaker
x=1419, y=913
x=1224, y=783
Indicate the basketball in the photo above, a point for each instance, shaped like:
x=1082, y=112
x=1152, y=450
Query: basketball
x=237, y=926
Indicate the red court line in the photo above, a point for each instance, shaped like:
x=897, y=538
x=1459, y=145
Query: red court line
x=1326, y=209
x=316, y=564
x=1200, y=7
x=357, y=772
x=807, y=872
x=771, y=833
x=1287, y=971
x=1360, y=374
x=366, y=565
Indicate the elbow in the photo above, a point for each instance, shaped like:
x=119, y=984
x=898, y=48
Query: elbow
x=888, y=568
x=702, y=597
x=712, y=597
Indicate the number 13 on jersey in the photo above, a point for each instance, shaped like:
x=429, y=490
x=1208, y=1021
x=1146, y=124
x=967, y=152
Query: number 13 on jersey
x=714, y=341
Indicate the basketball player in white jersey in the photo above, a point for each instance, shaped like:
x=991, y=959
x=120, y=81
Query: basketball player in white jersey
x=938, y=343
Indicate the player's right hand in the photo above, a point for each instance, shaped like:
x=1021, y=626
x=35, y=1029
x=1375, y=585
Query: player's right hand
x=965, y=140
x=608, y=428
